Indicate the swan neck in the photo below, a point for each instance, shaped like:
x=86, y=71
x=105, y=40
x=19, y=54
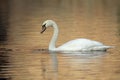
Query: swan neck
x=52, y=45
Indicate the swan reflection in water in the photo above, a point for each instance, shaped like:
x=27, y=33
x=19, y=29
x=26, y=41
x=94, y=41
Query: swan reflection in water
x=80, y=57
x=61, y=62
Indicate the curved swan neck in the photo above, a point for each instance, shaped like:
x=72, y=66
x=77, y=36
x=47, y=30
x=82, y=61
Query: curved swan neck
x=54, y=37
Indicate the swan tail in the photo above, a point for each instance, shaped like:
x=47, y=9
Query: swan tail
x=102, y=48
x=108, y=47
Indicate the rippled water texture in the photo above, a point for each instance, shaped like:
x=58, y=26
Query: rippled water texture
x=24, y=51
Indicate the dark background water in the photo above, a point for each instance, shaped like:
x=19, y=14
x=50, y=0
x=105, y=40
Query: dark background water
x=23, y=50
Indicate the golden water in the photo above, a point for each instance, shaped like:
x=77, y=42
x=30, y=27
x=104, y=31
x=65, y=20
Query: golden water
x=23, y=50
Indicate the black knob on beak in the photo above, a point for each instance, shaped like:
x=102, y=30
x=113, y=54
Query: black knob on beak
x=43, y=28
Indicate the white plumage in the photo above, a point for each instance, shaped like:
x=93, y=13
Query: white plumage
x=73, y=45
x=82, y=45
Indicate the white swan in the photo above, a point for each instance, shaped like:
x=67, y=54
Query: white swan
x=73, y=45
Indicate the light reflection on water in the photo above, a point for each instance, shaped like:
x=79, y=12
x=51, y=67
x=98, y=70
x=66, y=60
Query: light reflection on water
x=44, y=65
x=23, y=50
x=47, y=65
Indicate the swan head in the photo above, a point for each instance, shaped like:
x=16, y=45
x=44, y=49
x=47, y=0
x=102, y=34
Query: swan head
x=47, y=23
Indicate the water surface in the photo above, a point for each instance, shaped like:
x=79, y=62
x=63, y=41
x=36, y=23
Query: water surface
x=23, y=50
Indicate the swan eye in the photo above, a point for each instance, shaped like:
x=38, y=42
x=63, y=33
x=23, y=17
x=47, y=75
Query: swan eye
x=44, y=25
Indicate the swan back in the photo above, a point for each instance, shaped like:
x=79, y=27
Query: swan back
x=82, y=45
